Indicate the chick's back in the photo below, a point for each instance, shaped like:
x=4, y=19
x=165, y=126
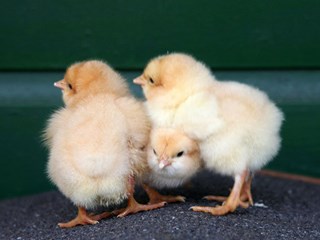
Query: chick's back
x=250, y=133
x=89, y=151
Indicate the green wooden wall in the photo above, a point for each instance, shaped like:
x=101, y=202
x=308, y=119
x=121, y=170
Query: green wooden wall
x=273, y=45
x=42, y=34
x=28, y=98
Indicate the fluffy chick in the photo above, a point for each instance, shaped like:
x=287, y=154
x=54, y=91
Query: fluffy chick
x=97, y=141
x=173, y=159
x=237, y=126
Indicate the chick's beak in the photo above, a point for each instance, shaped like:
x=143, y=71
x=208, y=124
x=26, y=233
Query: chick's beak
x=139, y=81
x=60, y=84
x=164, y=162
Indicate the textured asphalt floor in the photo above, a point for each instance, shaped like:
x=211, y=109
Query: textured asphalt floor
x=284, y=209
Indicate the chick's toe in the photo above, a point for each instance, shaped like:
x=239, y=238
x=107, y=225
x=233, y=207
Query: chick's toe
x=81, y=219
x=134, y=207
x=156, y=197
x=240, y=193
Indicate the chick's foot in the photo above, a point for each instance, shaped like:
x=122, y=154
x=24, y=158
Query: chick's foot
x=134, y=207
x=240, y=193
x=215, y=198
x=81, y=219
x=155, y=197
x=100, y=216
x=226, y=207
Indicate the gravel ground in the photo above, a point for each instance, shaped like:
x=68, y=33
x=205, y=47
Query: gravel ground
x=284, y=209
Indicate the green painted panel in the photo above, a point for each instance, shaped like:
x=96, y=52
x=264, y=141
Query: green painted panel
x=224, y=34
x=27, y=99
x=300, y=151
x=23, y=157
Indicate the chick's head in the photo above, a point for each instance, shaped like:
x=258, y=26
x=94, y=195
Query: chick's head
x=173, y=153
x=176, y=74
x=88, y=78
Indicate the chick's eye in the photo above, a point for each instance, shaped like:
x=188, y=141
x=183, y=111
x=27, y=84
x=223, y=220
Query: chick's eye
x=180, y=154
x=154, y=151
x=70, y=86
x=151, y=80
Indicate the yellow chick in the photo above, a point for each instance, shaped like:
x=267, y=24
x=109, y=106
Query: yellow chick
x=236, y=126
x=173, y=159
x=97, y=142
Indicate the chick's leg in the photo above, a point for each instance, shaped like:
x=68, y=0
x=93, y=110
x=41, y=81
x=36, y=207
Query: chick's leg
x=100, y=216
x=156, y=197
x=245, y=194
x=81, y=219
x=133, y=205
x=232, y=202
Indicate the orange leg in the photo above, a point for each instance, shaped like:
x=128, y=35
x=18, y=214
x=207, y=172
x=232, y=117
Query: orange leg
x=100, y=216
x=216, y=198
x=156, y=197
x=133, y=206
x=83, y=219
x=230, y=203
x=245, y=194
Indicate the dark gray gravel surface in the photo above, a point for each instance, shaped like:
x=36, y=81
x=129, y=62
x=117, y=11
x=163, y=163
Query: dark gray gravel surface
x=284, y=209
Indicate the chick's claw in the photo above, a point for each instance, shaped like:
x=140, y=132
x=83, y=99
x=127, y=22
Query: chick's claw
x=215, y=198
x=100, y=216
x=167, y=199
x=77, y=221
x=135, y=207
x=81, y=219
x=156, y=197
x=242, y=201
x=178, y=198
x=239, y=194
x=217, y=211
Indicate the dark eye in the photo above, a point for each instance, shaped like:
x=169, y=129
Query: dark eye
x=151, y=80
x=70, y=86
x=180, y=154
x=154, y=151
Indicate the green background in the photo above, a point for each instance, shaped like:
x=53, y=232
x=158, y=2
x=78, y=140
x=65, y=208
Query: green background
x=273, y=45
x=225, y=34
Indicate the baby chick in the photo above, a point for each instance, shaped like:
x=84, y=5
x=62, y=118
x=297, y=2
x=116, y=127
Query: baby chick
x=236, y=126
x=173, y=159
x=97, y=141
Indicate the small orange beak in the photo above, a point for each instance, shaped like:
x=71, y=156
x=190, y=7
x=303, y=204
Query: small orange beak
x=60, y=84
x=139, y=80
x=164, y=162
